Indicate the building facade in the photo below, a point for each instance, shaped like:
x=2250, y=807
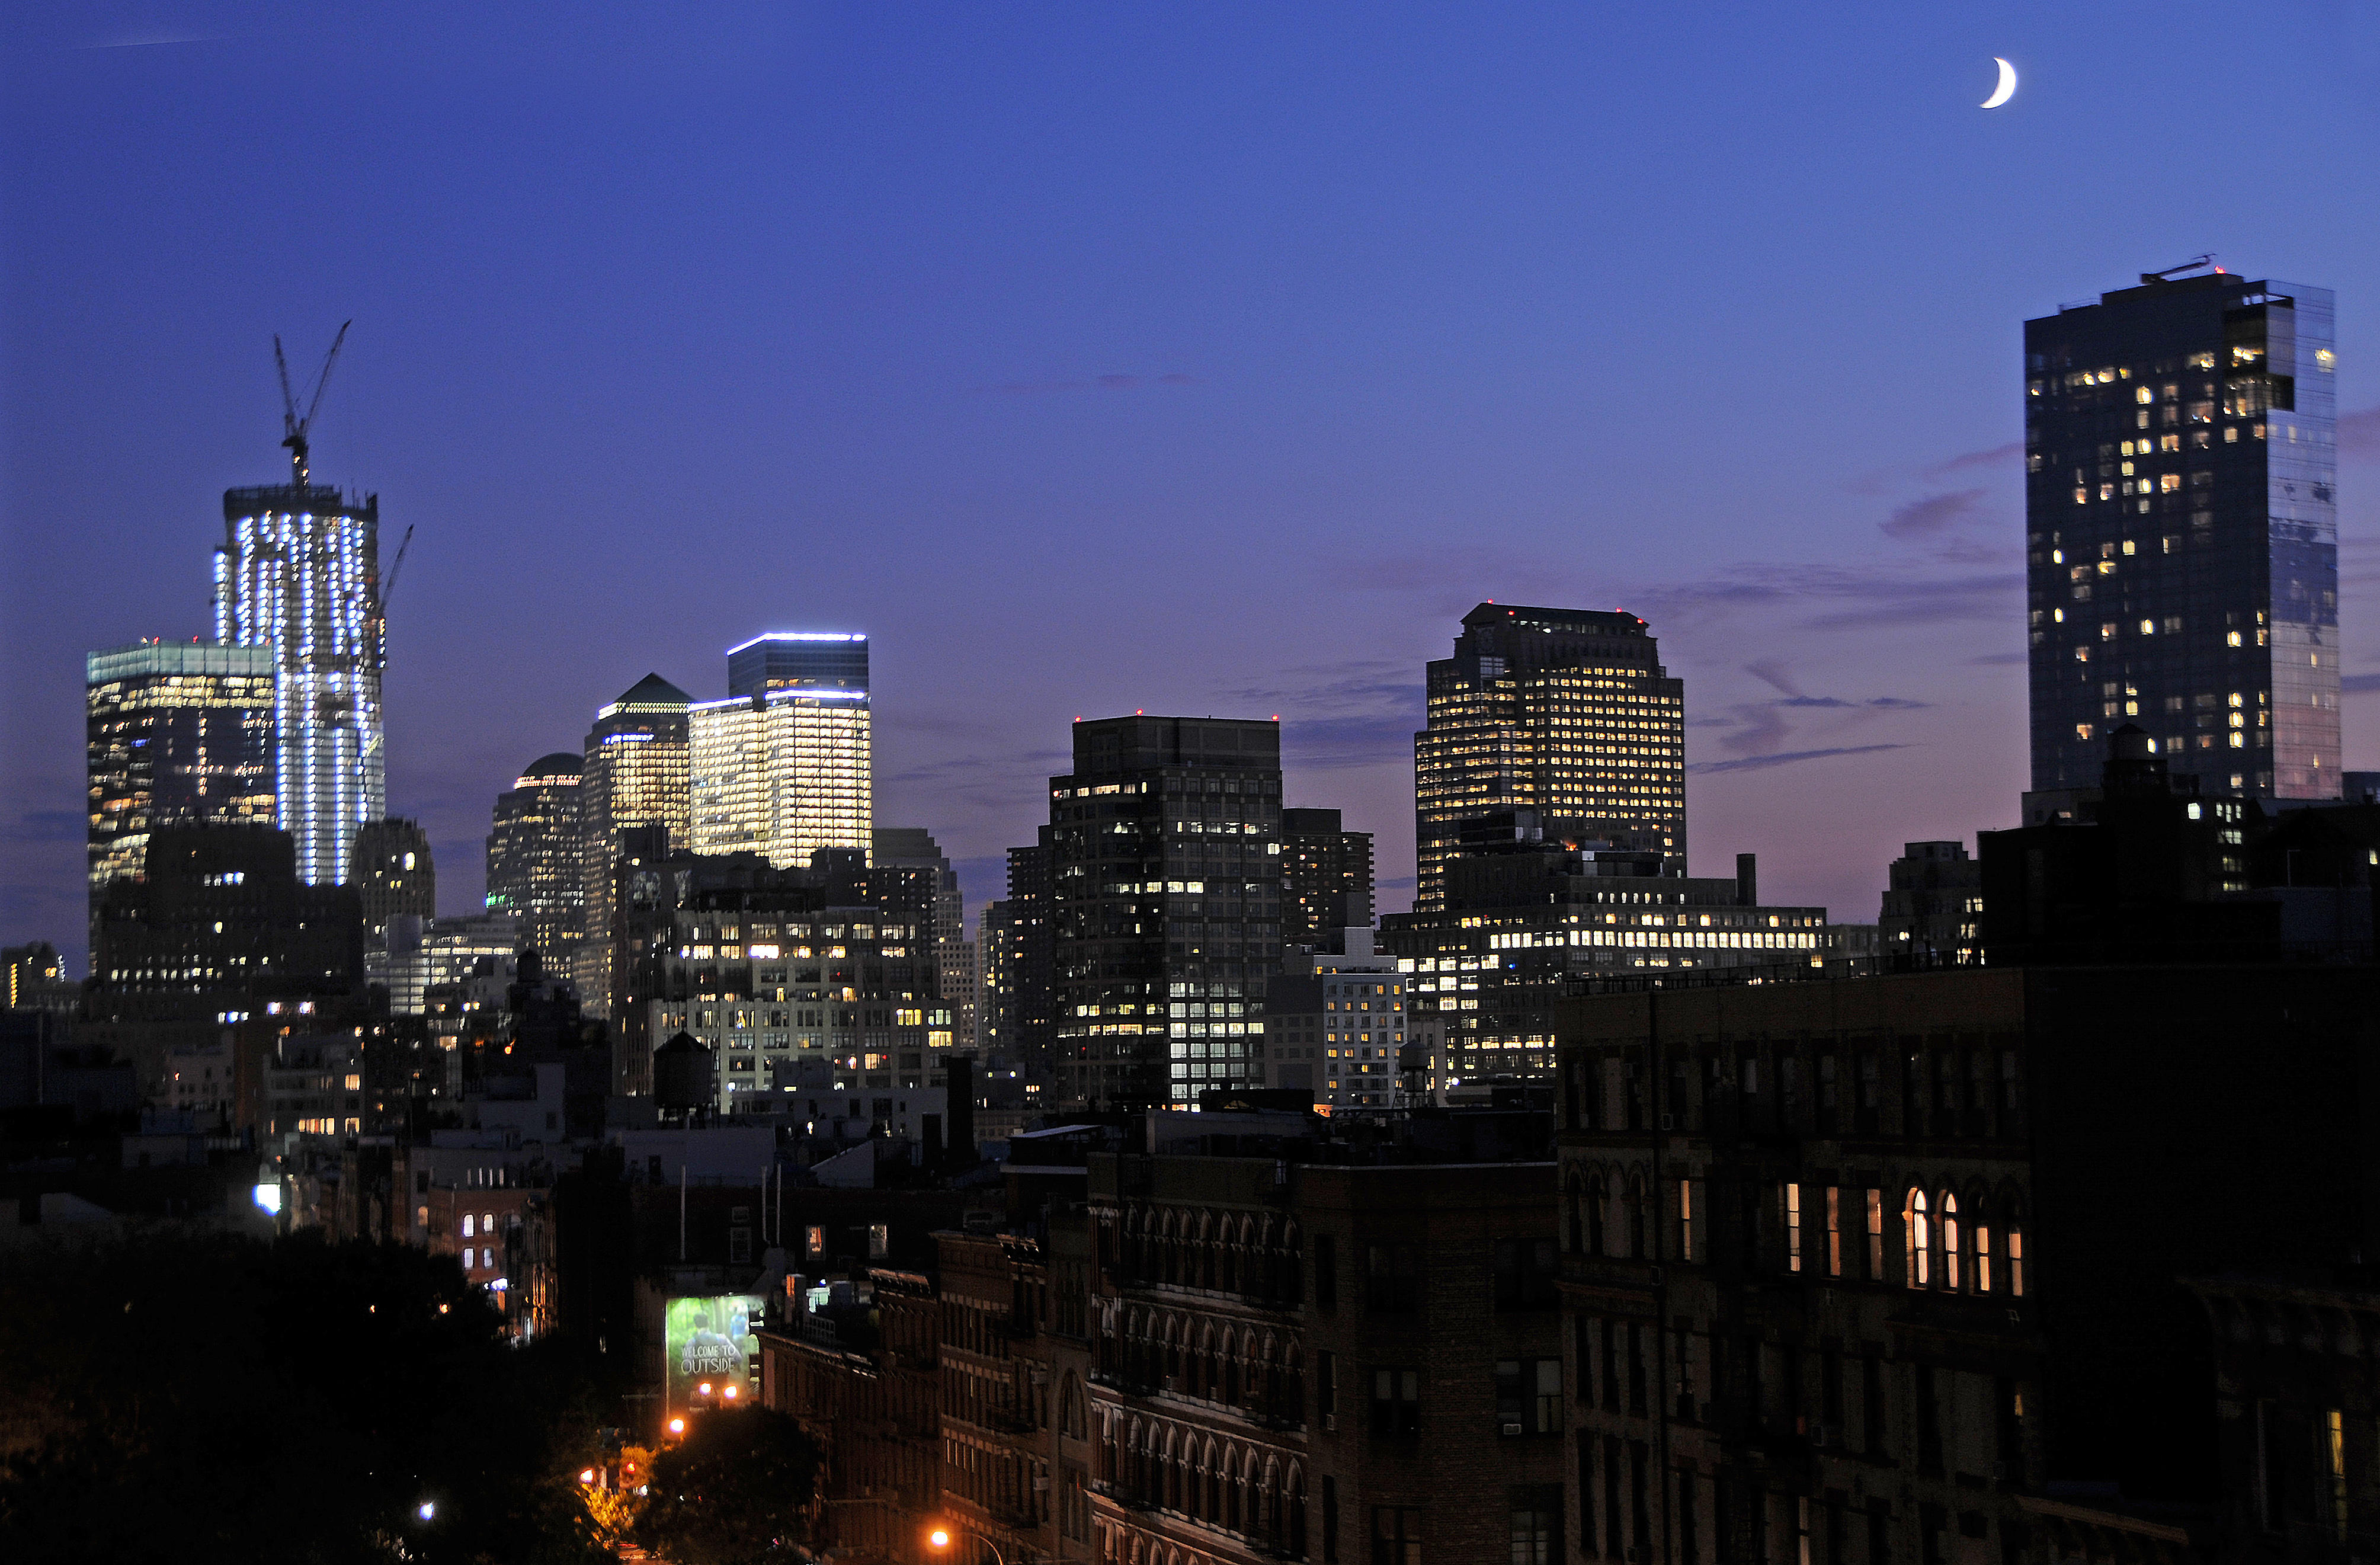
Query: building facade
x=299, y=572
x=175, y=735
x=1933, y=909
x=798, y=660
x=1326, y=880
x=634, y=775
x=1519, y=930
x=1165, y=857
x=782, y=774
x=2182, y=534
x=392, y=873
x=1339, y=1031
x=913, y=847
x=534, y=845
x=1564, y=712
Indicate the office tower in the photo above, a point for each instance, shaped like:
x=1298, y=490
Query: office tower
x=782, y=774
x=913, y=847
x=1337, y=1029
x=635, y=775
x=423, y=954
x=1164, y=859
x=1566, y=712
x=176, y=734
x=797, y=659
x=299, y=572
x=1527, y=923
x=824, y=973
x=391, y=870
x=1326, y=881
x=2182, y=534
x=533, y=856
x=1933, y=908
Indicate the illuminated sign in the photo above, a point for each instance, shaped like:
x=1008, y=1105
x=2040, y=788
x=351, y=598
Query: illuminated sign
x=708, y=1342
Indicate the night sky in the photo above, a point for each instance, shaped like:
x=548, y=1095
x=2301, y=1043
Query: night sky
x=1199, y=359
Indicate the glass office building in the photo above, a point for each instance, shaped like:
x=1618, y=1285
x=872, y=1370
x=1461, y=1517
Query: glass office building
x=299, y=572
x=176, y=734
x=634, y=774
x=797, y=659
x=782, y=774
x=533, y=856
x=2182, y=534
x=1563, y=718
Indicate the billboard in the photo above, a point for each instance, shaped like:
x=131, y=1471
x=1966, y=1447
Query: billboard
x=710, y=1339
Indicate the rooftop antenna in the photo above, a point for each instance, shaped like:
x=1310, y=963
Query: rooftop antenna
x=293, y=427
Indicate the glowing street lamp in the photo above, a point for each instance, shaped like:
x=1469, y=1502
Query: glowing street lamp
x=426, y=1510
x=677, y=1426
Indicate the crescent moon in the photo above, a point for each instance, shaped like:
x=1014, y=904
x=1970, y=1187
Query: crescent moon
x=2007, y=89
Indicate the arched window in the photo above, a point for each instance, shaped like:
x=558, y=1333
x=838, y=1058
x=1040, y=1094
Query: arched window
x=1231, y=1369
x=1917, y=1239
x=1596, y=1197
x=1230, y=1492
x=1951, y=1273
x=1297, y=1502
x=1206, y=1242
x=1574, y=1215
x=1213, y=1510
x=1633, y=1210
x=1069, y=1407
x=2014, y=1247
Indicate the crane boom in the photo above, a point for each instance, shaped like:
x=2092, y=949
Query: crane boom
x=388, y=582
x=295, y=429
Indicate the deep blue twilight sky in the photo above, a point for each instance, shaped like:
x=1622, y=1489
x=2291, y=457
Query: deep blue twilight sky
x=1205, y=359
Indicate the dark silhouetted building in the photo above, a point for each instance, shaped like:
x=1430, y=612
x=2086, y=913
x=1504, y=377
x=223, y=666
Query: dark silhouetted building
x=1565, y=712
x=2182, y=533
x=393, y=874
x=913, y=847
x=1164, y=855
x=1326, y=881
x=1892, y=1266
x=1933, y=907
x=534, y=846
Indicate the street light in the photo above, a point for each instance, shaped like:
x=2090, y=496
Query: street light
x=939, y=1538
x=426, y=1510
x=677, y=1426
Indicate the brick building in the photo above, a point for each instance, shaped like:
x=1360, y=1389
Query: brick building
x=1885, y=1269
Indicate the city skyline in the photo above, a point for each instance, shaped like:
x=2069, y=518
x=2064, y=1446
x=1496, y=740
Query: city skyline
x=1834, y=579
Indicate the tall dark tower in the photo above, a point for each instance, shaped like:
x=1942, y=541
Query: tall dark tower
x=2182, y=533
x=1165, y=860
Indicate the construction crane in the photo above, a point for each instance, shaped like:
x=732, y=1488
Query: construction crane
x=388, y=582
x=293, y=427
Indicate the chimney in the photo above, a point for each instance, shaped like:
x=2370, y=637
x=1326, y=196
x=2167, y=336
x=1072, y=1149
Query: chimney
x=1747, y=879
x=959, y=1095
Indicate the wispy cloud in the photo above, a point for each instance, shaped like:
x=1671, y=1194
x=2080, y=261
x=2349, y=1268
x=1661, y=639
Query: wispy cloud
x=1788, y=758
x=43, y=826
x=1999, y=457
x=1351, y=715
x=2356, y=684
x=1931, y=514
x=2001, y=659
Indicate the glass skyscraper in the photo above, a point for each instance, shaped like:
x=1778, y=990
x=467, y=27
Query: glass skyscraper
x=533, y=858
x=177, y=734
x=2182, y=534
x=299, y=572
x=1563, y=718
x=782, y=774
x=1163, y=852
x=797, y=659
x=635, y=775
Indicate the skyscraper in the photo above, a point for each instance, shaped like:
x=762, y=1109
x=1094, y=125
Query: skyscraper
x=1164, y=855
x=176, y=735
x=797, y=659
x=1326, y=880
x=635, y=775
x=393, y=874
x=2182, y=534
x=1567, y=713
x=533, y=856
x=782, y=774
x=955, y=954
x=299, y=572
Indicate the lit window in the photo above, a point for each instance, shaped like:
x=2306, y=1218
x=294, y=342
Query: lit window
x=1917, y=1240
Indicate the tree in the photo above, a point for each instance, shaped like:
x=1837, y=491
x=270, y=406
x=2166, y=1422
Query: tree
x=207, y=1397
x=736, y=1490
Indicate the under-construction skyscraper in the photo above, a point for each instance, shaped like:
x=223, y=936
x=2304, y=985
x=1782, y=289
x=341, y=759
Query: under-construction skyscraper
x=300, y=572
